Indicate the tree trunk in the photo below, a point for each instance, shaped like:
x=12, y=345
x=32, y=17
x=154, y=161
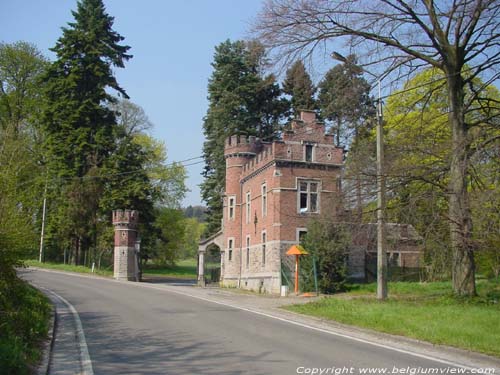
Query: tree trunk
x=463, y=268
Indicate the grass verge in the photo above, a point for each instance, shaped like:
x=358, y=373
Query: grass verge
x=24, y=317
x=183, y=269
x=69, y=268
x=424, y=311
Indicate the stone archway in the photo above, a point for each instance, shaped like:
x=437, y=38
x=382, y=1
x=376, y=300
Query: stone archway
x=210, y=251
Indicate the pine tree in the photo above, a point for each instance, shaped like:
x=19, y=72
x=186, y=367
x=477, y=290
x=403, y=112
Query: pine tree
x=344, y=98
x=79, y=123
x=299, y=86
x=241, y=101
x=80, y=127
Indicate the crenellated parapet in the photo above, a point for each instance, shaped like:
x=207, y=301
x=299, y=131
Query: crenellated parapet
x=265, y=156
x=128, y=218
x=242, y=145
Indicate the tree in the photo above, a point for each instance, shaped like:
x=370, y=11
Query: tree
x=130, y=116
x=79, y=125
x=21, y=172
x=417, y=163
x=299, y=86
x=327, y=243
x=241, y=101
x=21, y=65
x=403, y=37
x=344, y=99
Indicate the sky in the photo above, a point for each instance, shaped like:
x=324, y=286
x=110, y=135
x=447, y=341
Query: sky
x=173, y=46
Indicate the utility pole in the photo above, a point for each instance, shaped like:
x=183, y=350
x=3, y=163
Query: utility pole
x=40, y=258
x=381, y=206
x=381, y=253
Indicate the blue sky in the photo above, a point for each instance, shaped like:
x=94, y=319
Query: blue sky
x=172, y=43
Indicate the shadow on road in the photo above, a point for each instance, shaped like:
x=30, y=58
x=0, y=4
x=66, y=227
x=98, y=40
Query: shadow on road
x=168, y=280
x=176, y=352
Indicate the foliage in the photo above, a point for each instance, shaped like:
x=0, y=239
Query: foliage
x=298, y=85
x=21, y=65
x=198, y=212
x=24, y=313
x=344, y=99
x=81, y=129
x=170, y=229
x=418, y=152
x=327, y=243
x=21, y=180
x=241, y=101
x=192, y=234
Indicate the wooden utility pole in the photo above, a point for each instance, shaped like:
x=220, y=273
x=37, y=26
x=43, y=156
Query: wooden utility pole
x=381, y=253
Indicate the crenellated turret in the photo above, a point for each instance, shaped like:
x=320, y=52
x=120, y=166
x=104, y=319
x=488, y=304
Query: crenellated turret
x=242, y=145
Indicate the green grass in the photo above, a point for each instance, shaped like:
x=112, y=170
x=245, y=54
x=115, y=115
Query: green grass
x=424, y=311
x=183, y=269
x=24, y=316
x=69, y=268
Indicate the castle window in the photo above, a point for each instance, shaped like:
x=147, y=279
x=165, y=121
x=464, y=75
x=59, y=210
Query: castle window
x=301, y=234
x=308, y=196
x=248, y=252
x=230, y=249
x=309, y=153
x=248, y=208
x=230, y=207
x=263, y=249
x=264, y=200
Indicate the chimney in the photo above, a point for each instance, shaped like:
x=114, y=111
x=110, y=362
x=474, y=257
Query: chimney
x=308, y=116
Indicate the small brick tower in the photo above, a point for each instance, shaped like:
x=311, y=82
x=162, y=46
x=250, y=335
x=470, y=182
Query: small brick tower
x=125, y=222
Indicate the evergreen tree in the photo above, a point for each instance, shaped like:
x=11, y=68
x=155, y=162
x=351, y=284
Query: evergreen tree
x=344, y=99
x=241, y=101
x=299, y=86
x=79, y=123
x=80, y=126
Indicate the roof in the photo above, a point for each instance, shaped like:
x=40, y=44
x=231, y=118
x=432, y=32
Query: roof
x=296, y=250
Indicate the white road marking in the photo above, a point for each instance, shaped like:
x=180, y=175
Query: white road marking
x=303, y=325
x=85, y=360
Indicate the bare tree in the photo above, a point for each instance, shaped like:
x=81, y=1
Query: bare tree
x=459, y=37
x=131, y=117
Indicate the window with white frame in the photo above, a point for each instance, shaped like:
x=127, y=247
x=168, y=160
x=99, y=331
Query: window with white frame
x=248, y=208
x=264, y=199
x=230, y=242
x=308, y=196
x=248, y=252
x=264, y=239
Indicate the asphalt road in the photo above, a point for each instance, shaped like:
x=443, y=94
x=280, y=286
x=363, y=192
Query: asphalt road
x=136, y=330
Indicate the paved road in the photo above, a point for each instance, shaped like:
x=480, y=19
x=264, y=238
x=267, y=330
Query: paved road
x=132, y=329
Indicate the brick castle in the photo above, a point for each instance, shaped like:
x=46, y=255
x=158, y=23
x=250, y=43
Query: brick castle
x=272, y=190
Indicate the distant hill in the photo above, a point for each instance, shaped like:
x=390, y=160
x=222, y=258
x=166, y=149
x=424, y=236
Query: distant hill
x=198, y=212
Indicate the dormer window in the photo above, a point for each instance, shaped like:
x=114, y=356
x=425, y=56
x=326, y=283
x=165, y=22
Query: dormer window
x=309, y=153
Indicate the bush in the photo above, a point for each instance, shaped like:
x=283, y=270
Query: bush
x=327, y=243
x=24, y=315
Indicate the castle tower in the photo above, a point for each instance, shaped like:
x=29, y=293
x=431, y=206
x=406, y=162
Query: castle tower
x=125, y=264
x=238, y=151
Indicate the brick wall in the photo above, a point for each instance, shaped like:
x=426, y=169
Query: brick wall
x=279, y=166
